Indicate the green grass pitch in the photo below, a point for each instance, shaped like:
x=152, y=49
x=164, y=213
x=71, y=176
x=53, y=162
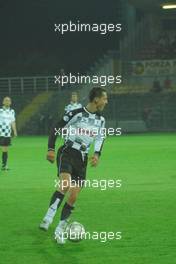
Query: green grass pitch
x=143, y=209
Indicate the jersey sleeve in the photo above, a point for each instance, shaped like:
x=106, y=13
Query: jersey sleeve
x=68, y=119
x=100, y=138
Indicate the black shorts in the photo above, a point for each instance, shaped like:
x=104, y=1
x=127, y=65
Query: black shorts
x=5, y=141
x=70, y=160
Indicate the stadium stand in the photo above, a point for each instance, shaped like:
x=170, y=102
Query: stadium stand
x=32, y=108
x=164, y=47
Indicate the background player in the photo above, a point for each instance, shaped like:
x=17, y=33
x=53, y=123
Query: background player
x=73, y=103
x=7, y=123
x=72, y=157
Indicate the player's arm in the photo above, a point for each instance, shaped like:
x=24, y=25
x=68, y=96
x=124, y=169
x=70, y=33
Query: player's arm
x=14, y=128
x=68, y=119
x=13, y=123
x=52, y=139
x=98, y=145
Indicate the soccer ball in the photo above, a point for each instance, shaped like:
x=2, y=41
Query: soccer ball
x=75, y=232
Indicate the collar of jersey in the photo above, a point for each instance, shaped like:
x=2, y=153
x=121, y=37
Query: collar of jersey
x=6, y=108
x=89, y=112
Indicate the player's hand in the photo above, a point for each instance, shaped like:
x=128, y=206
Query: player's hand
x=94, y=160
x=51, y=156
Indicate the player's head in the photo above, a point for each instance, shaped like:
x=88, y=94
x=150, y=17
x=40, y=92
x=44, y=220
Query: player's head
x=7, y=101
x=74, y=97
x=98, y=96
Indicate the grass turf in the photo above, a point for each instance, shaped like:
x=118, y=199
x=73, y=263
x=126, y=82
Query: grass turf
x=143, y=209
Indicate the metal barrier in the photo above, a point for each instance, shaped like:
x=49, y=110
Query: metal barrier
x=16, y=85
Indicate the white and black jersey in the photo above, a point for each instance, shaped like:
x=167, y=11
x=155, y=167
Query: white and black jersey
x=82, y=128
x=72, y=106
x=7, y=117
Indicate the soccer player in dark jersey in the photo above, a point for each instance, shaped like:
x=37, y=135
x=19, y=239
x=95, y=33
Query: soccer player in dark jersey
x=88, y=126
x=7, y=124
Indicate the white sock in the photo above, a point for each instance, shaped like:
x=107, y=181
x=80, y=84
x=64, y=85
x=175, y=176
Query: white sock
x=51, y=211
x=62, y=224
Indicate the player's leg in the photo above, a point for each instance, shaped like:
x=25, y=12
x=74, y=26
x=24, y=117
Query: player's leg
x=5, y=142
x=77, y=182
x=73, y=194
x=64, y=173
x=65, y=214
x=69, y=204
x=78, y=177
x=56, y=200
x=4, y=157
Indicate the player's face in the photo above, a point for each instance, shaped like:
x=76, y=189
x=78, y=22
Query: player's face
x=7, y=102
x=74, y=98
x=102, y=101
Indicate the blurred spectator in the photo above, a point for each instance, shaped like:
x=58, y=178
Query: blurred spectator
x=74, y=104
x=173, y=41
x=173, y=45
x=146, y=115
x=167, y=83
x=41, y=124
x=50, y=122
x=163, y=48
x=156, y=86
x=62, y=72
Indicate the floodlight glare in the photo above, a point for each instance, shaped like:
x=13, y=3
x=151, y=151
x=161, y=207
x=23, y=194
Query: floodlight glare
x=169, y=6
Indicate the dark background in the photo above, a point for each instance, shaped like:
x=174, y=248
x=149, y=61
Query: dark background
x=29, y=45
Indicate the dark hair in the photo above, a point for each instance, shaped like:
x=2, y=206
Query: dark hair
x=96, y=92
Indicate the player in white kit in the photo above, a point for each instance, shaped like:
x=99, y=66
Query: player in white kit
x=7, y=124
x=74, y=104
